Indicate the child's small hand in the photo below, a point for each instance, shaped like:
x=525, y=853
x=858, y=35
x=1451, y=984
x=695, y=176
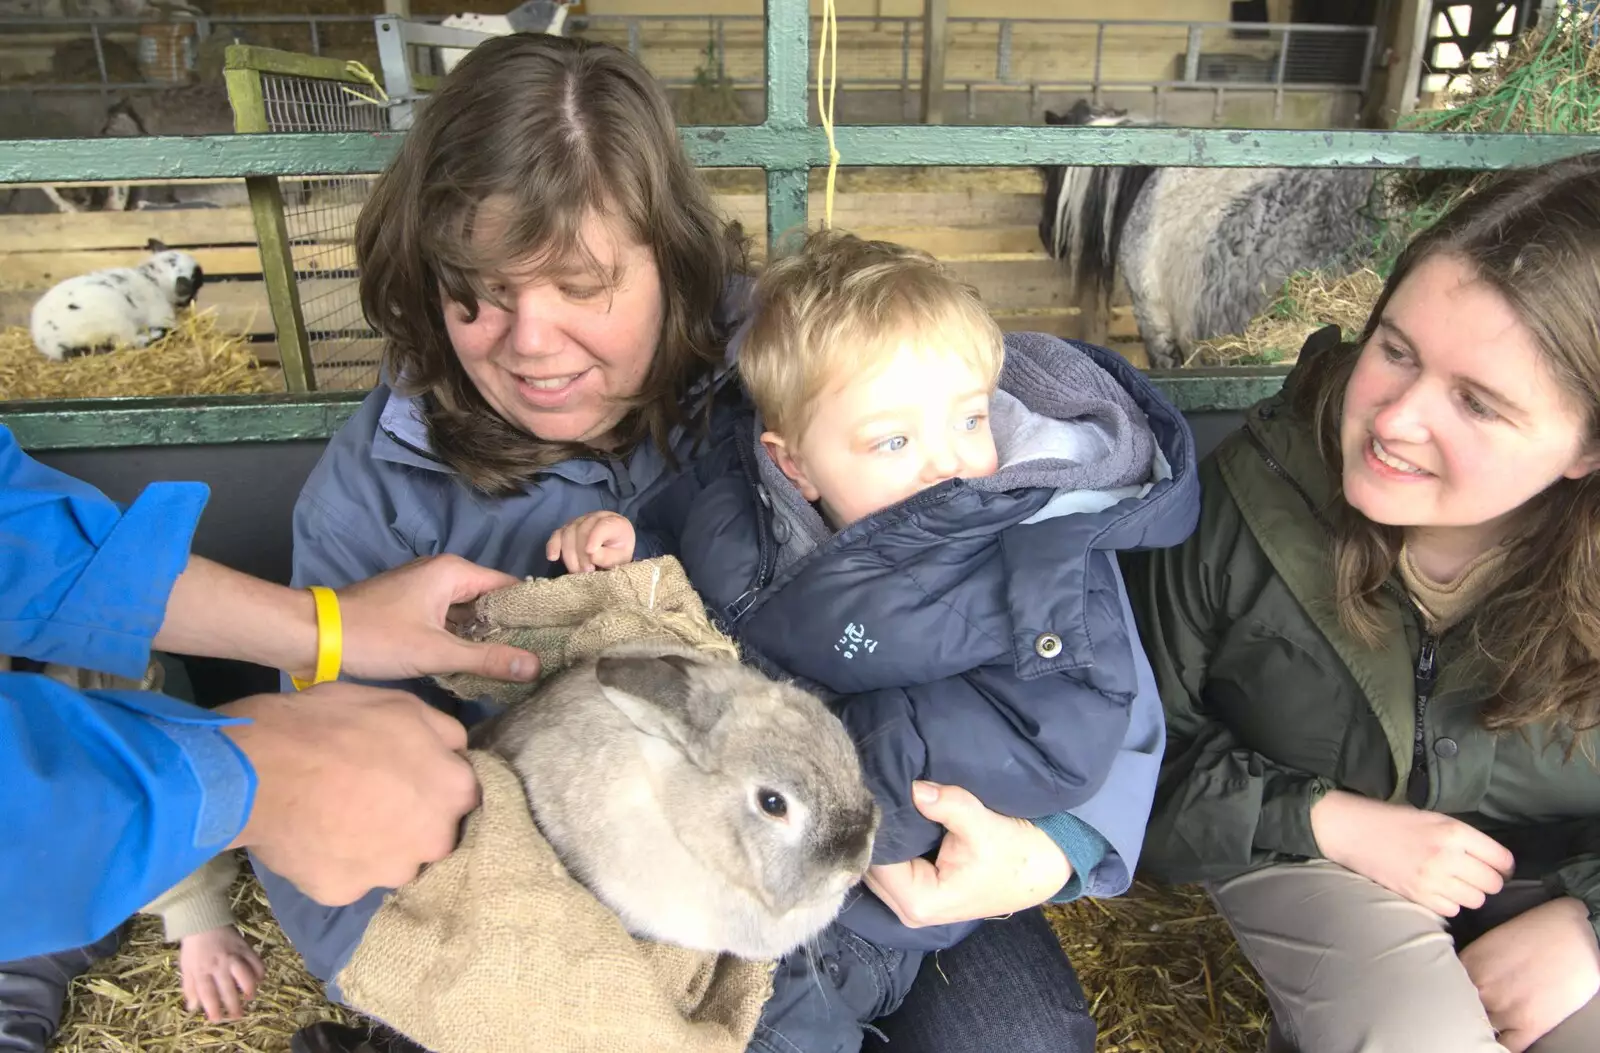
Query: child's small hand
x=220, y=972
x=597, y=541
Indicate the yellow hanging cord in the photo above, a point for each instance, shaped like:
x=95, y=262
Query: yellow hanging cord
x=828, y=48
x=364, y=75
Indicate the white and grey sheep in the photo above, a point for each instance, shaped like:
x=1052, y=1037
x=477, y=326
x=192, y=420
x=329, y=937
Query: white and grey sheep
x=119, y=306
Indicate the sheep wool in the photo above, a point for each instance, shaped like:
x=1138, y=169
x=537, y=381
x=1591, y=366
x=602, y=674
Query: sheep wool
x=117, y=307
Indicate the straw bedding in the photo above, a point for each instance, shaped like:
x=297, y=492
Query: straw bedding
x=196, y=358
x=1309, y=301
x=1549, y=82
x=132, y=1002
x=1161, y=970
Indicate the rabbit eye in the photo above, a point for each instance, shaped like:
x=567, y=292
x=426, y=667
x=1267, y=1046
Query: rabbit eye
x=772, y=802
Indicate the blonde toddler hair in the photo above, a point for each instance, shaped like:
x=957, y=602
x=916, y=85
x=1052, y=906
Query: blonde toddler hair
x=841, y=306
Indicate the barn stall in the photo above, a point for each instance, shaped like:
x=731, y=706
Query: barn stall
x=1163, y=971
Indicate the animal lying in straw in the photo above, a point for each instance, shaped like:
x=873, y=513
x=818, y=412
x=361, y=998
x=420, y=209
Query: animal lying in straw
x=708, y=806
x=1202, y=249
x=120, y=306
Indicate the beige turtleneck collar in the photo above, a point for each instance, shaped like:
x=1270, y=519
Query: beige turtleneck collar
x=1444, y=604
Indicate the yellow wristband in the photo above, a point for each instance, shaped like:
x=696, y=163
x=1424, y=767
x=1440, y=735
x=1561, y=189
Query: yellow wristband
x=330, y=638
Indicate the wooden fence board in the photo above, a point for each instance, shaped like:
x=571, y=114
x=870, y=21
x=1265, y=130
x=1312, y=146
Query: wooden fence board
x=899, y=208
x=178, y=228
x=241, y=306
x=40, y=270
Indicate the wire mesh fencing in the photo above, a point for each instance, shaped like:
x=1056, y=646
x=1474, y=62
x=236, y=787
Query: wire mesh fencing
x=320, y=216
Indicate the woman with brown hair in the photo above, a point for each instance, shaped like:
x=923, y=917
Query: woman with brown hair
x=1380, y=652
x=556, y=296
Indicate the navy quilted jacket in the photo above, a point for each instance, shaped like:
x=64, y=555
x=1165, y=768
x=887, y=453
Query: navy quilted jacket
x=968, y=635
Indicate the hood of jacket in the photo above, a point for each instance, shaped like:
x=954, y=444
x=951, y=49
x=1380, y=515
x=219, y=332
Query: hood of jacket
x=968, y=572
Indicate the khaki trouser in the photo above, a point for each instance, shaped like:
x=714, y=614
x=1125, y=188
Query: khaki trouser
x=1351, y=967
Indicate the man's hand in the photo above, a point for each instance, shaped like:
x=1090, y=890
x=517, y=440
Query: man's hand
x=1535, y=970
x=397, y=624
x=988, y=864
x=596, y=541
x=357, y=787
x=1433, y=860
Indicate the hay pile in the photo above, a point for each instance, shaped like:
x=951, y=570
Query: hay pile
x=1309, y=301
x=196, y=358
x=1162, y=972
x=1549, y=82
x=132, y=1002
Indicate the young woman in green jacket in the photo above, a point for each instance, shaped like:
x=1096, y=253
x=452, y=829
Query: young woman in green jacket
x=1379, y=654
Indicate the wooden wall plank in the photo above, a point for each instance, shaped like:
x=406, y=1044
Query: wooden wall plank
x=28, y=261
x=40, y=270
x=179, y=228
x=897, y=208
x=241, y=306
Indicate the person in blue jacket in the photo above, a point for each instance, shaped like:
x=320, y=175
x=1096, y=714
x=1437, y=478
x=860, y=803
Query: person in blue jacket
x=556, y=291
x=107, y=798
x=922, y=524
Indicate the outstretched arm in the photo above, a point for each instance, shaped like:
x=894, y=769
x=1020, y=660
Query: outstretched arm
x=112, y=797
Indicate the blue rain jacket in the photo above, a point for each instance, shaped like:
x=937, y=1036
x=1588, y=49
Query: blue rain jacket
x=107, y=798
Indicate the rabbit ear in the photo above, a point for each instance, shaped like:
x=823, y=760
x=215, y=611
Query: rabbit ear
x=656, y=696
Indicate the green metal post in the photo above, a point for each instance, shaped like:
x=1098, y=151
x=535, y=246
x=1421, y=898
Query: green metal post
x=788, y=110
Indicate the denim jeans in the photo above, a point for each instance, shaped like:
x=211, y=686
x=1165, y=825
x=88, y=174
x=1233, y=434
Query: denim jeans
x=1007, y=988
x=825, y=994
x=33, y=992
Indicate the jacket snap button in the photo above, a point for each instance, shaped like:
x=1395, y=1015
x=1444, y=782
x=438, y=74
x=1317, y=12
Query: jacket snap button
x=831, y=964
x=1048, y=645
x=1446, y=747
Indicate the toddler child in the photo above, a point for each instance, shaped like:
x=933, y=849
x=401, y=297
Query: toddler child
x=922, y=527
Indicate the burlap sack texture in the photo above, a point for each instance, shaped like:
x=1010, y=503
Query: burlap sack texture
x=496, y=948
x=568, y=619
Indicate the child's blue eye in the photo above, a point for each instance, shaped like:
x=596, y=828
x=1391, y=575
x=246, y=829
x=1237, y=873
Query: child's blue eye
x=971, y=423
x=893, y=444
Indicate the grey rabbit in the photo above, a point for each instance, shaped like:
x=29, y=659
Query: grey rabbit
x=708, y=806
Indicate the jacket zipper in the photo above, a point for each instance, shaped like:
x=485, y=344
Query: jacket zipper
x=766, y=564
x=765, y=561
x=1425, y=673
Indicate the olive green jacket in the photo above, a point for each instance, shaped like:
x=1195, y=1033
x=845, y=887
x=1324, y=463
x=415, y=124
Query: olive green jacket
x=1270, y=702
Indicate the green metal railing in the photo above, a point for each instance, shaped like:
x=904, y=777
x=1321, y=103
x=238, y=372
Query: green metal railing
x=785, y=145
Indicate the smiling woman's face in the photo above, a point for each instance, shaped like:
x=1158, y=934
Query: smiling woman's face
x=1452, y=417
x=567, y=349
